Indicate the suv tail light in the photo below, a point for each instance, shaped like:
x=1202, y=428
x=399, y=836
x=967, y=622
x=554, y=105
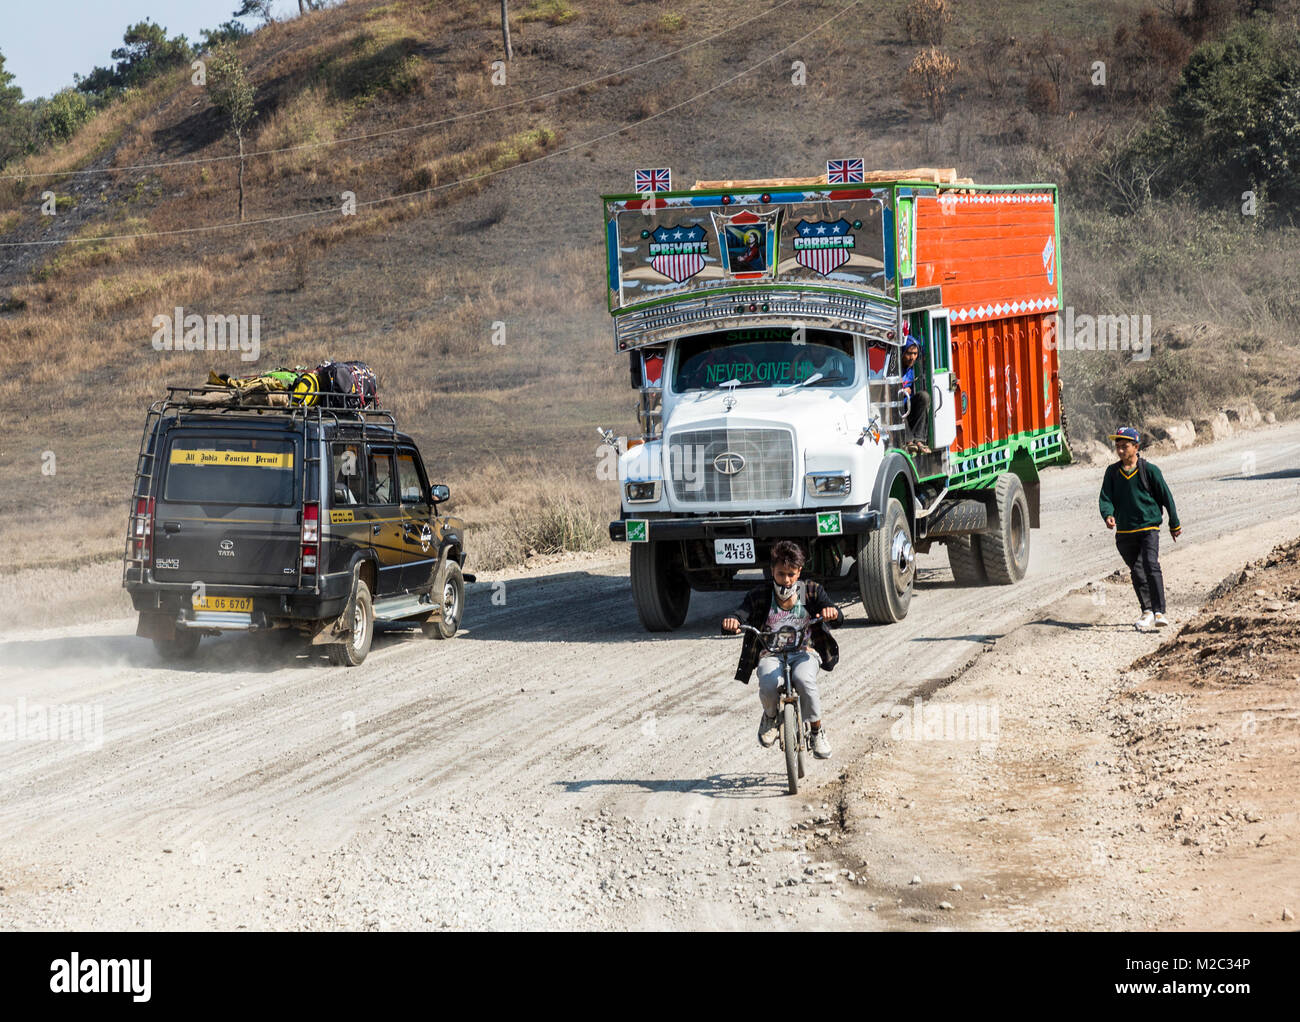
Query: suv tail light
x=142, y=530
x=310, y=537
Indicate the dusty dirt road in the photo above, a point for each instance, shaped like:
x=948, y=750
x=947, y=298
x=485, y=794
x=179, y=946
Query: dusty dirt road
x=553, y=767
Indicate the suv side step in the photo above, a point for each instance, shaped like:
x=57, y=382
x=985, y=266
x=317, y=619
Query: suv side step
x=393, y=608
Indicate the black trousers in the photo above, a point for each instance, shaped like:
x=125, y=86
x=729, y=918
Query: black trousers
x=1141, y=552
x=917, y=412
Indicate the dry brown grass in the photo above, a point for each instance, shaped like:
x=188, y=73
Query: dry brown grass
x=414, y=286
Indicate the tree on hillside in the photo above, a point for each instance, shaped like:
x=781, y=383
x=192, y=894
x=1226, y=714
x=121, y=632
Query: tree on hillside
x=13, y=117
x=234, y=95
x=228, y=32
x=146, y=53
x=257, y=9
x=505, y=28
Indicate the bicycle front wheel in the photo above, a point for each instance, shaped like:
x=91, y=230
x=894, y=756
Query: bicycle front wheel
x=790, y=740
x=802, y=735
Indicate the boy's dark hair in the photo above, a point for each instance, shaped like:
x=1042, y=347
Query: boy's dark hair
x=787, y=552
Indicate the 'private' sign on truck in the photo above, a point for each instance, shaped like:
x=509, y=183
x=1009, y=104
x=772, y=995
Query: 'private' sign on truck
x=767, y=322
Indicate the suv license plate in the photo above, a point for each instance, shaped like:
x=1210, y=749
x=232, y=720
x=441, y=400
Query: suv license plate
x=733, y=551
x=238, y=604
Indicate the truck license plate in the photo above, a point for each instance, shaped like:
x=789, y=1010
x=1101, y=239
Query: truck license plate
x=733, y=551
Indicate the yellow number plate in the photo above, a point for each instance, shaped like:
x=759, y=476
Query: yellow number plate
x=241, y=604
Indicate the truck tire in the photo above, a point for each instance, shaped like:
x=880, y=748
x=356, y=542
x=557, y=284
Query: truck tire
x=182, y=647
x=1004, y=548
x=966, y=561
x=351, y=652
x=887, y=567
x=449, y=598
x=659, y=586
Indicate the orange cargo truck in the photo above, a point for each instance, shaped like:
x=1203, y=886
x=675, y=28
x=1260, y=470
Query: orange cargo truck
x=769, y=323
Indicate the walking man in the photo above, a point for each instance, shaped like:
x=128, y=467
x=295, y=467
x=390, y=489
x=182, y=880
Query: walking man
x=1134, y=497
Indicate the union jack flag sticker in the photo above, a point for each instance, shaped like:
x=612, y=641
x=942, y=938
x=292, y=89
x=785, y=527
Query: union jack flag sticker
x=844, y=172
x=660, y=180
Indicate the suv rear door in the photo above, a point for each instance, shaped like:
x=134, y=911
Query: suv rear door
x=228, y=507
x=385, y=518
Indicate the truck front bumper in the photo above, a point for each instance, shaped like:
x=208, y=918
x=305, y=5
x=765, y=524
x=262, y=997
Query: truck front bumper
x=852, y=523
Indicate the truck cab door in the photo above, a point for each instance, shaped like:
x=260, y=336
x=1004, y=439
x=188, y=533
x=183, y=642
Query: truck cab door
x=941, y=392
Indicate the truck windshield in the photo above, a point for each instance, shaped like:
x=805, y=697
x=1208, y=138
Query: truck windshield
x=211, y=469
x=767, y=357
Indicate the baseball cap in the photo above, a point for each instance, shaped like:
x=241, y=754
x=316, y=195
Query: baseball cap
x=1126, y=433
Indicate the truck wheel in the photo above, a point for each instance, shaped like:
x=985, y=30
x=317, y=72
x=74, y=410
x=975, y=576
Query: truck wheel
x=966, y=561
x=887, y=567
x=182, y=647
x=659, y=587
x=352, y=651
x=449, y=598
x=1005, y=547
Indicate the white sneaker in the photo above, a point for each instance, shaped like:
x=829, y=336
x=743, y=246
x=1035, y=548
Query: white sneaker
x=768, y=730
x=1162, y=621
x=1146, y=622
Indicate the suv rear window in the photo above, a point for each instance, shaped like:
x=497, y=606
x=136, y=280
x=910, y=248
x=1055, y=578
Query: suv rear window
x=230, y=470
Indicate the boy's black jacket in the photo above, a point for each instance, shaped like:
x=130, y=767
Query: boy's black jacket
x=753, y=612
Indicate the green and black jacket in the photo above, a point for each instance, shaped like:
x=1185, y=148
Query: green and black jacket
x=1137, y=500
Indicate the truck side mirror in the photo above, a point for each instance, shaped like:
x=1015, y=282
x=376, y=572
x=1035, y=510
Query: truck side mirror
x=439, y=493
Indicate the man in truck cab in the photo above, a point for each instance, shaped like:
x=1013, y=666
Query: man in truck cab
x=918, y=406
x=787, y=601
x=1134, y=496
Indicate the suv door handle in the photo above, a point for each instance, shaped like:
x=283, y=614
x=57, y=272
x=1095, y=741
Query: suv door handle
x=376, y=529
x=171, y=526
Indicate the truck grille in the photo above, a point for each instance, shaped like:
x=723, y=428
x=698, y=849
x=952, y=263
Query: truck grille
x=768, y=472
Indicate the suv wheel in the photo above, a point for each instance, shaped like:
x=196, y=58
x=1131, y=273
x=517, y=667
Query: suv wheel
x=352, y=651
x=449, y=599
x=182, y=647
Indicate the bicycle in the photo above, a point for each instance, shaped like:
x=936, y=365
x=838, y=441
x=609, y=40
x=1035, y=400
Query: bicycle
x=795, y=733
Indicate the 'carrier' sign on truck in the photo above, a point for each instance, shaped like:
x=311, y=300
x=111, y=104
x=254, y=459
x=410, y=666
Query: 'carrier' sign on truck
x=767, y=325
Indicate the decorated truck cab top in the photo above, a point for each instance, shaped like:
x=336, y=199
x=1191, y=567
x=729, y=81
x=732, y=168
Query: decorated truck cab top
x=767, y=325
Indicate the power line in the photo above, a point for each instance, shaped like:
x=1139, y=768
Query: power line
x=394, y=131
x=333, y=211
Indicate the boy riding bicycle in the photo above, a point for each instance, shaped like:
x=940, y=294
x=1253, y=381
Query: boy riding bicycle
x=787, y=601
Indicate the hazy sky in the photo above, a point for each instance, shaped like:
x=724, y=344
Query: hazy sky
x=45, y=42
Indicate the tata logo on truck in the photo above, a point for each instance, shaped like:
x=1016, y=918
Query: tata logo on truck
x=729, y=463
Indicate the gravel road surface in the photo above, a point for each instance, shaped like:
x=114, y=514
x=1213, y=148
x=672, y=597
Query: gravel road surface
x=552, y=767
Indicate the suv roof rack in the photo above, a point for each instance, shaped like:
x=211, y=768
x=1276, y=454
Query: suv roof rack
x=199, y=399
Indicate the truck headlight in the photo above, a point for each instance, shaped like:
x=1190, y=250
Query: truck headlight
x=641, y=493
x=828, y=484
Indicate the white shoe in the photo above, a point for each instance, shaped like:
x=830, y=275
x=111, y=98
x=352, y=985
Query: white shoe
x=1162, y=621
x=1145, y=623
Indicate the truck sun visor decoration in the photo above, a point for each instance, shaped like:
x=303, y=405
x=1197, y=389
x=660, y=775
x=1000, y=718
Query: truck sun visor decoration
x=679, y=245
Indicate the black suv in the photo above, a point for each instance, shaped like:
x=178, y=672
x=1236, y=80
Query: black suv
x=308, y=518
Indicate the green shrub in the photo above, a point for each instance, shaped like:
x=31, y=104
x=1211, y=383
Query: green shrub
x=66, y=111
x=1233, y=124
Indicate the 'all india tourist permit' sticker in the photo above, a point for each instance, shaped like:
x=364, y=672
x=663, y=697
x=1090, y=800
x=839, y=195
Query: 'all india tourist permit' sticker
x=638, y=530
x=828, y=523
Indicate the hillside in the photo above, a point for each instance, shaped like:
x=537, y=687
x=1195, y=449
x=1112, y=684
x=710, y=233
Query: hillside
x=477, y=205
